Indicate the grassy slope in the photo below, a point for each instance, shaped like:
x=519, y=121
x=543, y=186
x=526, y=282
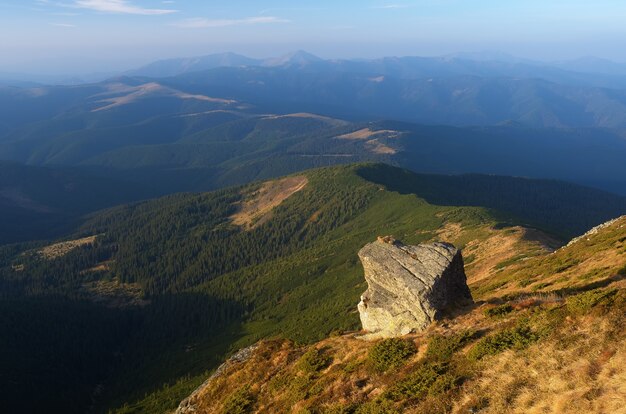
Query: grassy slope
x=551, y=349
x=312, y=292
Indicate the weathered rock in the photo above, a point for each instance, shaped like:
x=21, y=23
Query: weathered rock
x=409, y=286
x=189, y=404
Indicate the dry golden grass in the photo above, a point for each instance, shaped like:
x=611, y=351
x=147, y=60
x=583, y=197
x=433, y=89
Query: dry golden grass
x=583, y=371
x=61, y=249
x=257, y=207
x=328, y=120
x=378, y=147
x=372, y=143
x=366, y=133
x=595, y=260
x=485, y=248
x=574, y=363
x=134, y=93
x=114, y=294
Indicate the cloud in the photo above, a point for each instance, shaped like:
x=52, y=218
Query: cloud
x=62, y=25
x=118, y=6
x=198, y=23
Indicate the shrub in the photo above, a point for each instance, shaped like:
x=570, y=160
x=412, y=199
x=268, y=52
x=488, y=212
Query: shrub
x=442, y=348
x=498, y=311
x=390, y=353
x=428, y=379
x=314, y=360
x=584, y=302
x=352, y=366
x=239, y=402
x=518, y=337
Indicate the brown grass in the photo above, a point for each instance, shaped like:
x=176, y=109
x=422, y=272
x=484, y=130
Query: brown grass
x=114, y=294
x=331, y=121
x=378, y=147
x=257, y=208
x=134, y=93
x=366, y=133
x=488, y=247
x=575, y=364
x=581, y=376
x=61, y=249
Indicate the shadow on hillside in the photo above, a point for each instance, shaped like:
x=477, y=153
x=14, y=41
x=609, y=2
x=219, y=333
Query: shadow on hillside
x=561, y=208
x=590, y=286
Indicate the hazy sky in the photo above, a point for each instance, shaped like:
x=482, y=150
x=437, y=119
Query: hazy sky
x=74, y=36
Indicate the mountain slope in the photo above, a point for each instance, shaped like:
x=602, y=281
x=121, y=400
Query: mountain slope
x=533, y=348
x=190, y=280
x=193, y=144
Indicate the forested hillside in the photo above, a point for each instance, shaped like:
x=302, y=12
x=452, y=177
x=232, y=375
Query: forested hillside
x=178, y=282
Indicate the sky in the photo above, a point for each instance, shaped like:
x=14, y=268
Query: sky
x=84, y=36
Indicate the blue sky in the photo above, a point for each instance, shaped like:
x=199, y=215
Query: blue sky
x=74, y=36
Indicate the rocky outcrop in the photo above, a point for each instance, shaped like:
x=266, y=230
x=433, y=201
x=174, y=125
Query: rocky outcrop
x=593, y=231
x=409, y=286
x=189, y=404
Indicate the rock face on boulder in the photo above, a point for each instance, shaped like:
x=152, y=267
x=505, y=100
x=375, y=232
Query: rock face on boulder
x=409, y=286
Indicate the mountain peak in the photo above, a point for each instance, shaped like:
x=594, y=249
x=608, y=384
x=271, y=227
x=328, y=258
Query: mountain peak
x=297, y=58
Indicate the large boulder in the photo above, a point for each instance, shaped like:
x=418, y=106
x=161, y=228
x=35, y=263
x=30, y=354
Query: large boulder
x=409, y=286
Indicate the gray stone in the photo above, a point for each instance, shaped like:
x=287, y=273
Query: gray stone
x=189, y=404
x=409, y=286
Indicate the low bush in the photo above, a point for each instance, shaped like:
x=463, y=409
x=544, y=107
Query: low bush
x=584, y=302
x=239, y=402
x=498, y=311
x=442, y=348
x=391, y=353
x=518, y=337
x=428, y=379
x=314, y=360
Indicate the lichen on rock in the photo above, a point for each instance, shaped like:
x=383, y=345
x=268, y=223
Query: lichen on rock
x=409, y=286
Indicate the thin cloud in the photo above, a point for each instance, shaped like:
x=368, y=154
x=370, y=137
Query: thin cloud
x=118, y=6
x=62, y=25
x=199, y=23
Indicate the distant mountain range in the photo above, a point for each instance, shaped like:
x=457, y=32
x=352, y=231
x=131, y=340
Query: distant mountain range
x=584, y=71
x=226, y=126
